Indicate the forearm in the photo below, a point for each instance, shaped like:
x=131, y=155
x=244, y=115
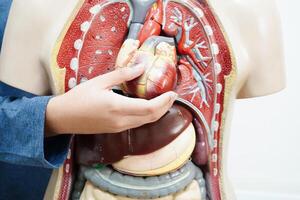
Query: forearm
x=52, y=123
x=58, y=118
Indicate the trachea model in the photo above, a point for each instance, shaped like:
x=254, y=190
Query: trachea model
x=184, y=49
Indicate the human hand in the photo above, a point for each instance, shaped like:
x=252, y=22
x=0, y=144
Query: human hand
x=92, y=107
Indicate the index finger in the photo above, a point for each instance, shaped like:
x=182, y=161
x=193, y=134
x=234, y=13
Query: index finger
x=126, y=52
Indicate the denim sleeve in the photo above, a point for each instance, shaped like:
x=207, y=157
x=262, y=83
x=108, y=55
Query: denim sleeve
x=22, y=134
x=22, y=122
x=4, y=10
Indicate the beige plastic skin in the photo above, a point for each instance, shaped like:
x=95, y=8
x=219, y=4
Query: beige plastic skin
x=253, y=29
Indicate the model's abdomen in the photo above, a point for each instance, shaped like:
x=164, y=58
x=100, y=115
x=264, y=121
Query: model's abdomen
x=199, y=71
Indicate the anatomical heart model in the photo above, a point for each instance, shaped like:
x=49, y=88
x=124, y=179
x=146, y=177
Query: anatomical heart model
x=184, y=49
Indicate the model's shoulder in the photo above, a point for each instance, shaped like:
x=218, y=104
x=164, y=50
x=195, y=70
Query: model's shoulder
x=253, y=5
x=255, y=19
x=30, y=13
x=28, y=6
x=255, y=10
x=259, y=25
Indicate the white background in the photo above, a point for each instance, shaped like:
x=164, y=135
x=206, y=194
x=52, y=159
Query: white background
x=264, y=153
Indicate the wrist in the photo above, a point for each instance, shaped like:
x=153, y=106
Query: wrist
x=54, y=119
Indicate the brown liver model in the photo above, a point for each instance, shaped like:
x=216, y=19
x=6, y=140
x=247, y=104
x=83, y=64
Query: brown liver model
x=110, y=148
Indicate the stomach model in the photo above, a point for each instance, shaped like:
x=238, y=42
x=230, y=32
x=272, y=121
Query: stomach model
x=184, y=50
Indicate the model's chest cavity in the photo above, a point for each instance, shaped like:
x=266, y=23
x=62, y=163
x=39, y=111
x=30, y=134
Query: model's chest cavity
x=198, y=66
x=184, y=50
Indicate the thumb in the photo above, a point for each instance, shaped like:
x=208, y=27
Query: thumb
x=120, y=75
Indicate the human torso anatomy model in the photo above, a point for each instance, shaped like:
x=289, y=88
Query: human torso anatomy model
x=200, y=49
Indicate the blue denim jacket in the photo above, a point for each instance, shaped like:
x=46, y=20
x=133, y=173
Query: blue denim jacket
x=26, y=157
x=22, y=141
x=4, y=9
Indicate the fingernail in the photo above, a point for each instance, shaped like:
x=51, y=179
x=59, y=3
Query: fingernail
x=173, y=96
x=138, y=68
